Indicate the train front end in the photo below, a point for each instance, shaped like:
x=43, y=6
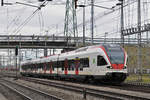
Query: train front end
x=117, y=63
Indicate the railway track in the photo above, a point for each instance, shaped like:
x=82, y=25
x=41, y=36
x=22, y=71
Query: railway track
x=132, y=86
x=90, y=91
x=20, y=95
x=125, y=86
x=27, y=92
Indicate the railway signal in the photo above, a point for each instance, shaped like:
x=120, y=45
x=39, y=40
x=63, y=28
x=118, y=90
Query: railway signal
x=44, y=0
x=2, y=2
x=76, y=4
x=16, y=53
x=16, y=50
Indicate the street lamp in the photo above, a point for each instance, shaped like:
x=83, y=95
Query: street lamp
x=83, y=6
x=92, y=16
x=121, y=21
x=105, y=37
x=2, y=3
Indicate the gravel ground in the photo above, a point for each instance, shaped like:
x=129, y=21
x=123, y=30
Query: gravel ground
x=32, y=94
x=128, y=92
x=65, y=94
x=2, y=97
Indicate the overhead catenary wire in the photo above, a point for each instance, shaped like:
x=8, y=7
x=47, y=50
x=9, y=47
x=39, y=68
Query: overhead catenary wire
x=102, y=15
x=25, y=22
x=28, y=19
x=15, y=21
x=105, y=15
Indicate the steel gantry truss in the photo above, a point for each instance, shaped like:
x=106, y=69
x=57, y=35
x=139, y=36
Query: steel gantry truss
x=70, y=29
x=135, y=30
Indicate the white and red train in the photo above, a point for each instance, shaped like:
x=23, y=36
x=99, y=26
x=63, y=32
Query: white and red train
x=105, y=63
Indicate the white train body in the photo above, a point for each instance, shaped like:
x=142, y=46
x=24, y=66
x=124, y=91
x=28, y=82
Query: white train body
x=100, y=62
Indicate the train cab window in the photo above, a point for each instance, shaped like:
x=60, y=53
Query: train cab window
x=101, y=61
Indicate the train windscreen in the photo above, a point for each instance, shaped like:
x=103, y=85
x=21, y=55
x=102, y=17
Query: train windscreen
x=115, y=54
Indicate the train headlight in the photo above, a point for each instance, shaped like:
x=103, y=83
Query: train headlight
x=124, y=67
x=110, y=67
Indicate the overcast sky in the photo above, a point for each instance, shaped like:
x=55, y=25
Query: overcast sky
x=52, y=16
x=49, y=18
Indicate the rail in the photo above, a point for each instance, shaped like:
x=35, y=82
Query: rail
x=90, y=91
x=31, y=92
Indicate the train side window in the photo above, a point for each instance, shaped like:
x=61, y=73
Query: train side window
x=72, y=69
x=101, y=61
x=81, y=69
x=43, y=66
x=62, y=68
x=72, y=65
x=59, y=64
x=84, y=62
x=47, y=66
x=55, y=63
x=38, y=66
x=32, y=67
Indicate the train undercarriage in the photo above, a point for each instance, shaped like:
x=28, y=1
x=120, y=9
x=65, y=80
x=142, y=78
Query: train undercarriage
x=109, y=78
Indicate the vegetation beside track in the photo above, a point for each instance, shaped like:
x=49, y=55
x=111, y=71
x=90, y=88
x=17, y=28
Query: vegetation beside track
x=134, y=77
x=132, y=51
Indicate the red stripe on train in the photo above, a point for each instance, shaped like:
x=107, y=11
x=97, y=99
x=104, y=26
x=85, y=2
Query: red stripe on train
x=66, y=66
x=35, y=68
x=44, y=68
x=51, y=68
x=117, y=66
x=77, y=66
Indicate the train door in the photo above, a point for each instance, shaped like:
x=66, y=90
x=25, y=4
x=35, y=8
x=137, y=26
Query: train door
x=35, y=67
x=66, y=67
x=51, y=67
x=77, y=62
x=44, y=68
